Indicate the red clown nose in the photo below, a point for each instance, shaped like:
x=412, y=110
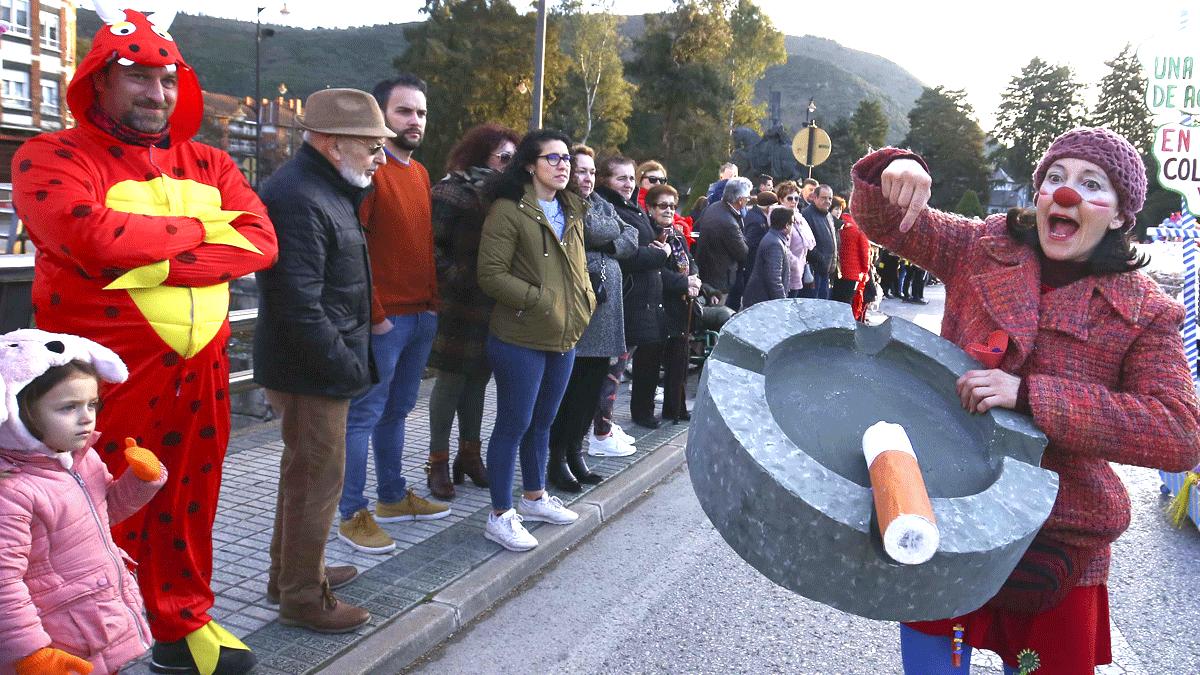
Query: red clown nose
x=1065, y=196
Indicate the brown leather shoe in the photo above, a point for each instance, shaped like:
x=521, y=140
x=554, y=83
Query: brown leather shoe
x=327, y=615
x=336, y=576
x=468, y=462
x=437, y=471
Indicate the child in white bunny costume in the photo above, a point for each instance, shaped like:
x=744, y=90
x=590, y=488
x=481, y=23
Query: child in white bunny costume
x=68, y=601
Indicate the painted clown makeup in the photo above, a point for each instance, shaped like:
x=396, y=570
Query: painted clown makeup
x=1076, y=206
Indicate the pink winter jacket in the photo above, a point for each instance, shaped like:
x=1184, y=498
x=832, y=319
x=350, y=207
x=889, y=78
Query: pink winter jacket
x=64, y=583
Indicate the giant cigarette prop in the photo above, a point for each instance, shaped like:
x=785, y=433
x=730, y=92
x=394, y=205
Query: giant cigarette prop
x=910, y=533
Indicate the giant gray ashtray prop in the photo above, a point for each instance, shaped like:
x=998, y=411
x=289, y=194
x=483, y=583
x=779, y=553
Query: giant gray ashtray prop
x=775, y=455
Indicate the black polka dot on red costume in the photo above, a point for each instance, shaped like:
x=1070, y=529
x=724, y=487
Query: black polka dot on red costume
x=191, y=377
x=171, y=229
x=41, y=195
x=186, y=613
x=110, y=447
x=82, y=272
x=119, y=231
x=166, y=588
x=111, y=272
x=226, y=276
x=186, y=257
x=153, y=402
x=185, y=480
x=116, y=151
x=172, y=438
x=193, y=507
x=25, y=165
x=185, y=573
x=67, y=142
x=111, y=312
x=145, y=535
x=178, y=171
x=135, y=48
x=55, y=298
x=207, y=468
x=54, y=181
x=170, y=359
x=202, y=163
x=179, y=545
x=194, y=406
x=165, y=518
x=81, y=211
x=64, y=153
x=208, y=432
x=149, y=176
x=162, y=52
x=220, y=396
x=158, y=424
x=140, y=441
x=130, y=536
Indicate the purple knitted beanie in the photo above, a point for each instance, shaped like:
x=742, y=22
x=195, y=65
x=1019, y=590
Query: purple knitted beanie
x=1109, y=151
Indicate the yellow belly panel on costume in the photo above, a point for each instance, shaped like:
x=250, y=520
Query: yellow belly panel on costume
x=187, y=319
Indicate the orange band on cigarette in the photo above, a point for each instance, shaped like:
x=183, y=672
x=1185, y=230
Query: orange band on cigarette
x=899, y=488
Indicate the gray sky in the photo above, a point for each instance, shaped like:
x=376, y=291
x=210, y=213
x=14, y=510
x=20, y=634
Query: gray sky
x=975, y=46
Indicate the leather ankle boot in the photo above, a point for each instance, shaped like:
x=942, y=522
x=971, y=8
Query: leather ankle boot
x=578, y=467
x=438, y=478
x=559, y=474
x=469, y=462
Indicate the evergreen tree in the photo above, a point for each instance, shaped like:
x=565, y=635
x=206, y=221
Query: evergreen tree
x=1039, y=104
x=476, y=57
x=1121, y=107
x=597, y=100
x=868, y=126
x=944, y=132
x=755, y=45
x=969, y=205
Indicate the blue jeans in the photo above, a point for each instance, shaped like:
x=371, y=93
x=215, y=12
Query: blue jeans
x=924, y=654
x=821, y=279
x=529, y=387
x=379, y=415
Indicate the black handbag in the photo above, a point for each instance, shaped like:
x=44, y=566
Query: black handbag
x=597, y=280
x=843, y=290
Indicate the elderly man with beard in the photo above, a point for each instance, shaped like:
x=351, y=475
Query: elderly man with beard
x=312, y=343
x=397, y=218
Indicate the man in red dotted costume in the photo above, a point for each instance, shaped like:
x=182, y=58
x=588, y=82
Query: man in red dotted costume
x=139, y=230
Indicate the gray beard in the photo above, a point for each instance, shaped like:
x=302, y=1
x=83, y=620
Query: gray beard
x=355, y=178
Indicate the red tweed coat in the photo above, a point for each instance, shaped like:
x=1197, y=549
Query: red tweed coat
x=1107, y=376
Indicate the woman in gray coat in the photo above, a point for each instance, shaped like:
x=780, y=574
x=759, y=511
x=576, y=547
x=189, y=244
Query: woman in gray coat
x=771, y=272
x=607, y=239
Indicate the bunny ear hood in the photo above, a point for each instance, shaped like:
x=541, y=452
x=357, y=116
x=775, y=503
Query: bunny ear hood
x=130, y=37
x=24, y=355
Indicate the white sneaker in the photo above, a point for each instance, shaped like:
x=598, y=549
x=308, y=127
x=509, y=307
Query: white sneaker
x=621, y=435
x=506, y=529
x=548, y=509
x=609, y=446
x=658, y=395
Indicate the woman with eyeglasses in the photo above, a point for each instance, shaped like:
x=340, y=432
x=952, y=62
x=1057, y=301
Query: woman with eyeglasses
x=459, y=352
x=643, y=301
x=608, y=240
x=649, y=174
x=800, y=239
x=532, y=261
x=681, y=284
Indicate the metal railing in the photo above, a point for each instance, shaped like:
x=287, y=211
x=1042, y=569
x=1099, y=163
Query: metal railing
x=16, y=310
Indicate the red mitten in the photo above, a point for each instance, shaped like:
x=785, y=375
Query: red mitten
x=991, y=354
x=48, y=661
x=142, y=462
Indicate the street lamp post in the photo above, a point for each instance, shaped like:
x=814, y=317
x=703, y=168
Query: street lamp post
x=259, y=34
x=810, y=124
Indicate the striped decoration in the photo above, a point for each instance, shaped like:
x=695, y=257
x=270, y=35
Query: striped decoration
x=1185, y=228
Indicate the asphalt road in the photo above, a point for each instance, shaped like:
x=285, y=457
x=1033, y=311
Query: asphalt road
x=657, y=590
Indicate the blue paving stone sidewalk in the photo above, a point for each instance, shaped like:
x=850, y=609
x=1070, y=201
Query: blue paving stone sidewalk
x=428, y=556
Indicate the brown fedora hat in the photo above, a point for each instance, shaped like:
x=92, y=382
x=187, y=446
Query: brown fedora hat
x=344, y=112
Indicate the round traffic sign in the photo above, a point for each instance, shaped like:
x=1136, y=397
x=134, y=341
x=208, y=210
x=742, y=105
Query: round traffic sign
x=811, y=138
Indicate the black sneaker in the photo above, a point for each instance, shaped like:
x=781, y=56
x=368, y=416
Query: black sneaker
x=174, y=658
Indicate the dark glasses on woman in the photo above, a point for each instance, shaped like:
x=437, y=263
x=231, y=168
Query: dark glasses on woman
x=656, y=180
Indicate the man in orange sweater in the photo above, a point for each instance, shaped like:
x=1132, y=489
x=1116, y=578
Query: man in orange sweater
x=396, y=218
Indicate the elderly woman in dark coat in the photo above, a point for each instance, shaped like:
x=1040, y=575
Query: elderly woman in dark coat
x=771, y=273
x=644, y=318
x=608, y=240
x=458, y=352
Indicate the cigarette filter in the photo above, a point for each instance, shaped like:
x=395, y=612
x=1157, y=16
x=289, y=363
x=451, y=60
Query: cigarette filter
x=910, y=533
